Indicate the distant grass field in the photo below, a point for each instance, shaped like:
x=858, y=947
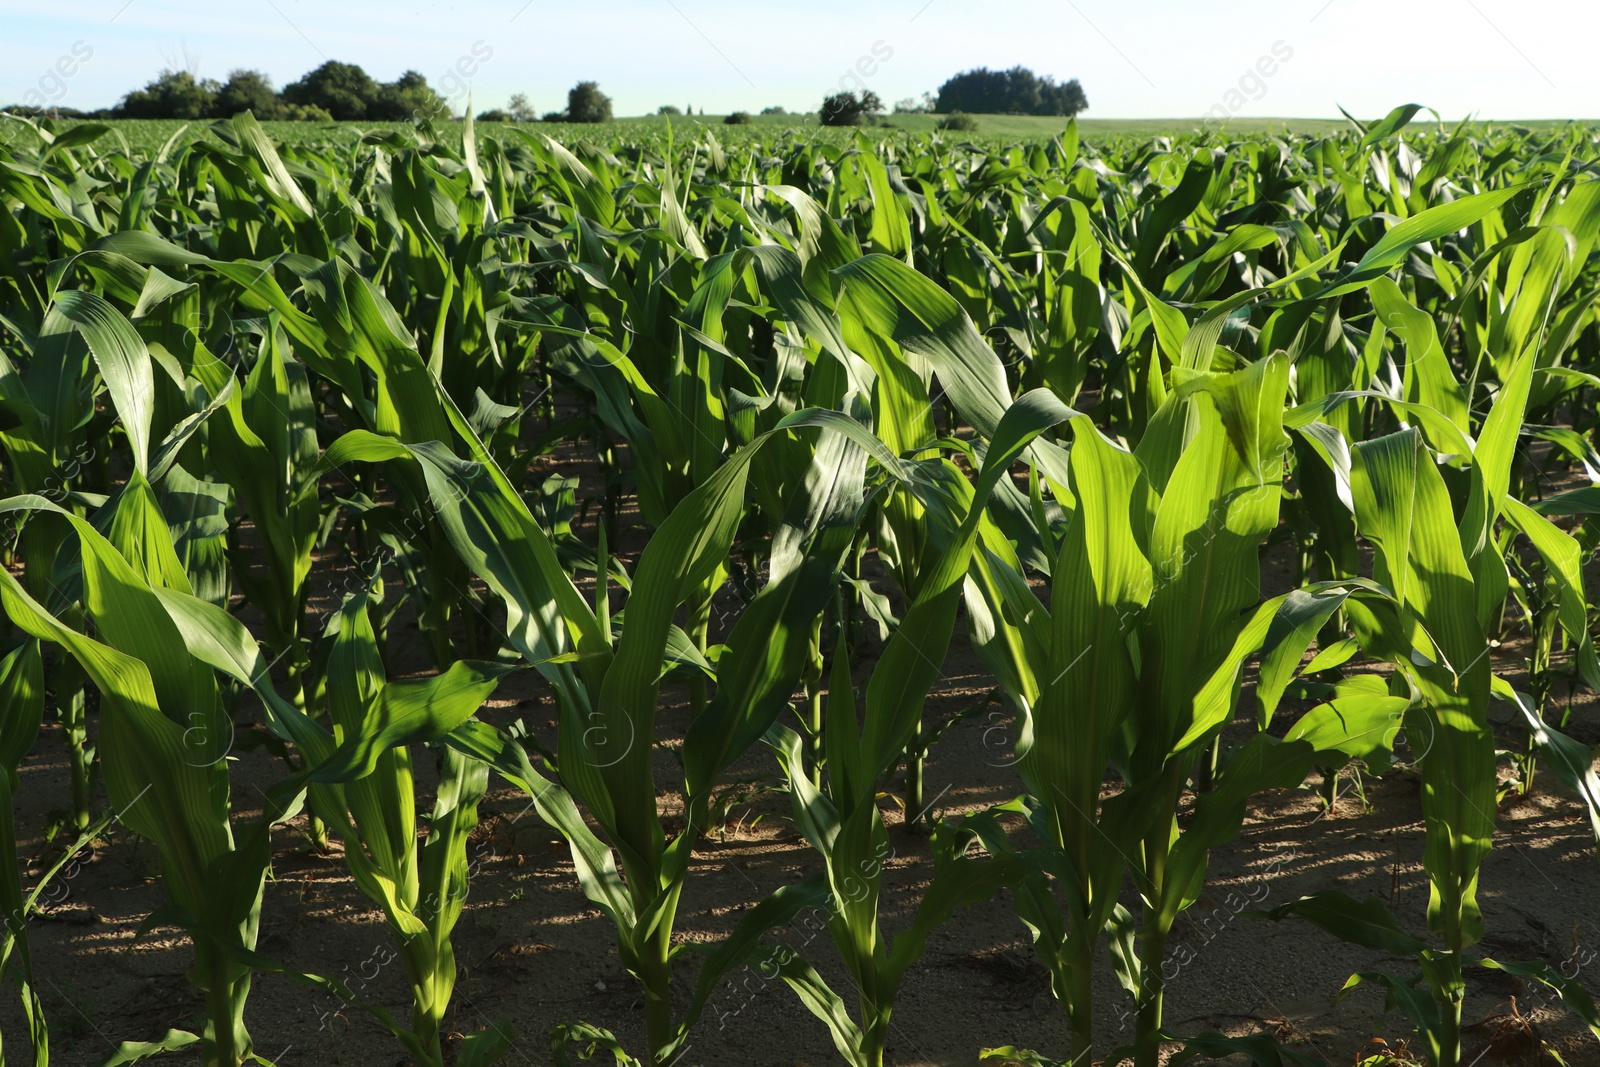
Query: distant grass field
x=148, y=135
x=1036, y=126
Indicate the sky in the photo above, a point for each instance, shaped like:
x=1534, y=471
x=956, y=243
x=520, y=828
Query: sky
x=1494, y=59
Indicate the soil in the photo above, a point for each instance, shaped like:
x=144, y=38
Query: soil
x=533, y=952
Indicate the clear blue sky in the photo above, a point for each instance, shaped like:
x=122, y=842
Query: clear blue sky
x=1163, y=58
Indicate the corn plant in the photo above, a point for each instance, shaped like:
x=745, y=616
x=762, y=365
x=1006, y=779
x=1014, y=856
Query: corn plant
x=841, y=820
x=794, y=350
x=908, y=333
x=51, y=401
x=607, y=688
x=265, y=448
x=1132, y=668
x=87, y=344
x=165, y=735
x=22, y=704
x=359, y=777
x=421, y=890
x=22, y=698
x=1435, y=636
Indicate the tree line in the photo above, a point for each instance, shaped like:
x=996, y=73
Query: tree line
x=345, y=92
x=1018, y=91
x=335, y=91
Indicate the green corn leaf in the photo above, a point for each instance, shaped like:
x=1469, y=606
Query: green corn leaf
x=1537, y=268
x=596, y=870
x=490, y=527
x=1212, y=514
x=1360, y=723
x=1386, y=127
x=1169, y=212
x=412, y=712
x=587, y=1041
x=124, y=364
x=1429, y=380
x=1250, y=403
x=892, y=300
x=1492, y=463
x=1199, y=347
x=1012, y=1056
x=21, y=704
x=586, y=191
x=674, y=222
x=961, y=882
x=172, y=444
x=821, y=240
x=1429, y=225
x=1563, y=560
x=485, y=1046
x=1365, y=922
x=21, y=711
x=1263, y=763
x=1415, y=1004
x=1571, y=761
x=891, y=229
x=815, y=814
x=268, y=169
x=685, y=552
x=134, y=1051
x=219, y=640
x=1170, y=326
x=1087, y=684
x=160, y=774
x=1293, y=629
x=1444, y=433
x=1572, y=993
x=912, y=659
x=821, y=1001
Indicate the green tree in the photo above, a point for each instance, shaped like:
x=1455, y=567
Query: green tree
x=247, y=90
x=408, y=97
x=520, y=109
x=586, y=103
x=1018, y=91
x=174, y=94
x=343, y=90
x=850, y=109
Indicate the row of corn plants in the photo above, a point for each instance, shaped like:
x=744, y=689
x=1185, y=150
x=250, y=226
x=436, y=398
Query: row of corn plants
x=284, y=427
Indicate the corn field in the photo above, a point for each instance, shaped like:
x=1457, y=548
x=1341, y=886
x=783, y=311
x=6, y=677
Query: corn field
x=372, y=502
